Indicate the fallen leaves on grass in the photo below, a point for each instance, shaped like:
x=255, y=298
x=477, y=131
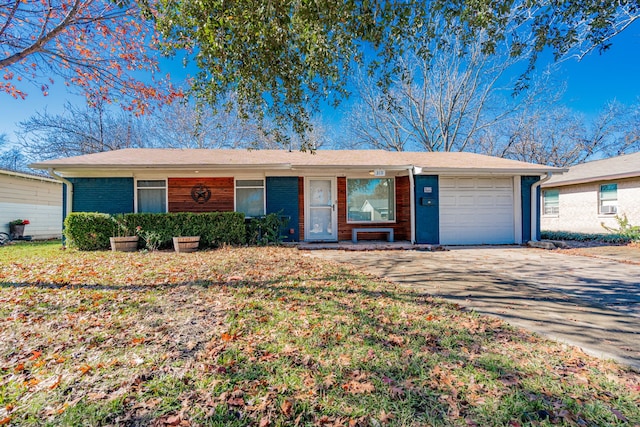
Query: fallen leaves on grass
x=268, y=336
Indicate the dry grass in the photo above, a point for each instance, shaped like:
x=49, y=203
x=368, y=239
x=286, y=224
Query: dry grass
x=269, y=336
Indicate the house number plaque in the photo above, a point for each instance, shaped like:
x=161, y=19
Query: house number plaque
x=200, y=193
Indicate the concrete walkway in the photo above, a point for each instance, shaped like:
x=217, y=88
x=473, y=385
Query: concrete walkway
x=588, y=302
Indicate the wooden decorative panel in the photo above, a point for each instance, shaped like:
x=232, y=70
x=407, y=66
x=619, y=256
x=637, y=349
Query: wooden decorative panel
x=220, y=200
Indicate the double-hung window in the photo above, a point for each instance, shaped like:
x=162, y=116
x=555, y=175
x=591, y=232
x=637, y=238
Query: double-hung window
x=152, y=195
x=371, y=200
x=551, y=201
x=608, y=199
x=250, y=197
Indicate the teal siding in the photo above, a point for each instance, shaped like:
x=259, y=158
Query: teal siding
x=427, y=209
x=282, y=197
x=525, y=188
x=106, y=195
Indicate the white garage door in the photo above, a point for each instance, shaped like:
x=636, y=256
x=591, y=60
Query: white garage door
x=476, y=210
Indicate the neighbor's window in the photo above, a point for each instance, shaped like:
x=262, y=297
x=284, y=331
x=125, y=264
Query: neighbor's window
x=608, y=198
x=371, y=200
x=250, y=197
x=551, y=201
x=152, y=195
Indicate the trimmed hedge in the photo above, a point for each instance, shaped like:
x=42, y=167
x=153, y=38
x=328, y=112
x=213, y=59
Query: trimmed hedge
x=214, y=228
x=91, y=230
x=584, y=237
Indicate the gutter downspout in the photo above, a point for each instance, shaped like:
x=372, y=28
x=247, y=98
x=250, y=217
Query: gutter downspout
x=412, y=202
x=534, y=206
x=69, y=206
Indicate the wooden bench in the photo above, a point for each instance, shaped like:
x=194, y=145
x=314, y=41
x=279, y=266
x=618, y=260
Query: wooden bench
x=355, y=231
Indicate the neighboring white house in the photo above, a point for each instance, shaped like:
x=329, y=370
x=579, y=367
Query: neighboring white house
x=33, y=197
x=377, y=209
x=591, y=194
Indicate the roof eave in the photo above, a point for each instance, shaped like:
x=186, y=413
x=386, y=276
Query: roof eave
x=29, y=176
x=592, y=179
x=68, y=167
x=504, y=171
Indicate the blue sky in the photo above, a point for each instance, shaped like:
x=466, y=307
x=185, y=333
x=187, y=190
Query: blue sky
x=590, y=83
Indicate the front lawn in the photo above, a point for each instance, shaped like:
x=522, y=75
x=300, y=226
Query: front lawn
x=270, y=336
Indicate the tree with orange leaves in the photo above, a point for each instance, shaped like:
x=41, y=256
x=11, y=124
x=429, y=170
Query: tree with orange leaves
x=95, y=46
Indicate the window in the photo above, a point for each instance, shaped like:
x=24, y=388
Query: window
x=551, y=200
x=608, y=199
x=250, y=197
x=371, y=200
x=152, y=196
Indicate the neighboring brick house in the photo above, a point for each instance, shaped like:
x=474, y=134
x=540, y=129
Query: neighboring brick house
x=593, y=193
x=332, y=195
x=34, y=197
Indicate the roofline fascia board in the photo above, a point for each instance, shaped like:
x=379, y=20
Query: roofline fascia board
x=28, y=176
x=592, y=179
x=62, y=168
x=354, y=167
x=490, y=171
x=65, y=167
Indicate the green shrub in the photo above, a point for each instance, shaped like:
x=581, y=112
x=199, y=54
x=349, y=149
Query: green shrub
x=265, y=230
x=583, y=237
x=625, y=229
x=89, y=231
x=214, y=228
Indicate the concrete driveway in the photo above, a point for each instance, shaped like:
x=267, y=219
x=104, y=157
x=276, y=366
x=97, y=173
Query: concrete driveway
x=588, y=302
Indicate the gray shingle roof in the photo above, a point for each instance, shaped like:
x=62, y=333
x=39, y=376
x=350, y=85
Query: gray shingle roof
x=626, y=166
x=137, y=158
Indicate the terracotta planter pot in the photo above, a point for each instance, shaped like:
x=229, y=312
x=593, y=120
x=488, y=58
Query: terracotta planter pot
x=124, y=244
x=17, y=231
x=186, y=244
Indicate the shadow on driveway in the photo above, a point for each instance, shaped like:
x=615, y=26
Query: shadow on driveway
x=591, y=303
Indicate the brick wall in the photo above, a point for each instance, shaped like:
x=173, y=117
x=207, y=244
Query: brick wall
x=106, y=195
x=578, y=207
x=301, y=207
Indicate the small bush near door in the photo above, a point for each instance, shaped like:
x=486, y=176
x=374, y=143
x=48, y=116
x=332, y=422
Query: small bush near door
x=266, y=230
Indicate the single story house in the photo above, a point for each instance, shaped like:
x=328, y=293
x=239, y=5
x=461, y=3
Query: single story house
x=593, y=193
x=436, y=198
x=32, y=197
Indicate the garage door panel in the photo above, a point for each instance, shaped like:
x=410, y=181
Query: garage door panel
x=466, y=201
x=485, y=183
x=486, y=200
x=506, y=200
x=476, y=210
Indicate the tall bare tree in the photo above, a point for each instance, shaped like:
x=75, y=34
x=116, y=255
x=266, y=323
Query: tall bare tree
x=441, y=99
x=79, y=131
x=192, y=125
x=558, y=136
x=11, y=158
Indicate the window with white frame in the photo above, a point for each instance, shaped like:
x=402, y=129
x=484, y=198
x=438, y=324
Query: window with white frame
x=152, y=195
x=551, y=202
x=371, y=200
x=250, y=197
x=608, y=199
